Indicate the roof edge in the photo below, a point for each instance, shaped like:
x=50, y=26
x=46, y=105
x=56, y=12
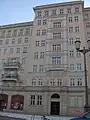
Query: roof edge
x=58, y=4
x=16, y=25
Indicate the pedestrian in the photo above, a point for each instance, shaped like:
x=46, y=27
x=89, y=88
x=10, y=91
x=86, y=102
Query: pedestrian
x=44, y=118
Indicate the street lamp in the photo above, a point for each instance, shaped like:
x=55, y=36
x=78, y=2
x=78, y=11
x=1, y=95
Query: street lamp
x=84, y=51
x=1, y=100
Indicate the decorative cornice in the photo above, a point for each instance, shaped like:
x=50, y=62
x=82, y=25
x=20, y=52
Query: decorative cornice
x=87, y=9
x=58, y=5
x=44, y=89
x=17, y=25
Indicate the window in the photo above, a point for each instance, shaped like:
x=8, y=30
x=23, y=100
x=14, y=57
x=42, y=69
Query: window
x=2, y=34
x=11, y=50
x=39, y=100
x=44, y=22
x=26, y=40
x=35, y=55
x=88, y=25
x=86, y=15
x=40, y=82
x=18, y=50
x=19, y=40
x=5, y=50
x=56, y=24
x=76, y=9
x=77, y=29
x=14, y=34
x=59, y=82
x=56, y=60
x=79, y=67
x=88, y=34
x=25, y=50
x=37, y=43
x=46, y=13
x=13, y=41
x=54, y=12
x=69, y=10
x=41, y=68
x=61, y=11
x=34, y=68
x=56, y=47
x=72, y=82
x=20, y=32
x=71, y=41
x=3, y=61
x=7, y=41
x=1, y=42
x=57, y=35
x=70, y=19
x=79, y=81
x=71, y=53
x=52, y=82
x=42, y=43
x=43, y=32
x=70, y=29
x=41, y=55
x=8, y=34
x=24, y=60
x=78, y=54
x=71, y=67
x=18, y=59
x=32, y=100
x=76, y=18
x=27, y=31
x=33, y=82
x=39, y=14
x=38, y=33
x=39, y=22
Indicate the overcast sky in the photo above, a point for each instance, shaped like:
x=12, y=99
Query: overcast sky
x=15, y=11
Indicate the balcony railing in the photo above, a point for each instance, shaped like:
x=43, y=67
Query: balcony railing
x=10, y=76
x=56, y=67
x=7, y=64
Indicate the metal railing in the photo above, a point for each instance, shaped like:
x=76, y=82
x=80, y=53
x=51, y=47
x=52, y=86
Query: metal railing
x=11, y=64
x=9, y=76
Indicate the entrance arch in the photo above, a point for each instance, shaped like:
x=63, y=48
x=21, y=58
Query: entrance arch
x=55, y=104
x=17, y=102
x=3, y=100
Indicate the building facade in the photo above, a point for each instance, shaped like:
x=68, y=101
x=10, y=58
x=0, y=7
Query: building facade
x=41, y=72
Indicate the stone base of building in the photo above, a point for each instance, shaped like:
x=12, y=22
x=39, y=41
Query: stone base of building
x=44, y=100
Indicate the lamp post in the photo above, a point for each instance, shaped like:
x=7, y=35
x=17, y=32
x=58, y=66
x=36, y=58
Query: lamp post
x=1, y=101
x=84, y=51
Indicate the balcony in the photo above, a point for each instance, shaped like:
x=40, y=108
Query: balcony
x=9, y=77
x=51, y=67
x=12, y=65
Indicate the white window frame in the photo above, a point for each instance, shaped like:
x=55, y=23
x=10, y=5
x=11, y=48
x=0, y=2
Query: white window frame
x=39, y=99
x=32, y=100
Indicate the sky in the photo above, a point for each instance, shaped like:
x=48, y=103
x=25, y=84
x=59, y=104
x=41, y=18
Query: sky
x=16, y=11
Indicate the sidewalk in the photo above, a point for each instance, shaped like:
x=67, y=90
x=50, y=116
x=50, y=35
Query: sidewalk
x=32, y=117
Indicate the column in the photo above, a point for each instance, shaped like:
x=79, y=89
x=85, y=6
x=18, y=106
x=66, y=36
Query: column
x=9, y=102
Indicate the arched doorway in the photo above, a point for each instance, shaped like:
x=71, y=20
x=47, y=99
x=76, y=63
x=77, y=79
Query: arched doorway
x=55, y=104
x=17, y=102
x=3, y=100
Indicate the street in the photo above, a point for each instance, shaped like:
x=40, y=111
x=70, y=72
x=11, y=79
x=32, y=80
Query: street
x=10, y=118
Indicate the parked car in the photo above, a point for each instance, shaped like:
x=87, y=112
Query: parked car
x=86, y=116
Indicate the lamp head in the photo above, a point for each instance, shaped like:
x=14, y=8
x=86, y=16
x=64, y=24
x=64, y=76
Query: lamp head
x=88, y=42
x=77, y=44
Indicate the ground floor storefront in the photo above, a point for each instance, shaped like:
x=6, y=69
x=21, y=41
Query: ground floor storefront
x=44, y=101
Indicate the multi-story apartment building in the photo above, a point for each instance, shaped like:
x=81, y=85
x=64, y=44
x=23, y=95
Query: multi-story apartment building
x=41, y=71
